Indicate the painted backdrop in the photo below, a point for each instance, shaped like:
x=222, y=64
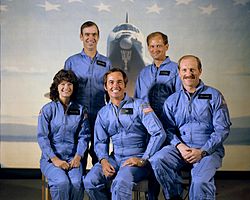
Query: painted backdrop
x=37, y=36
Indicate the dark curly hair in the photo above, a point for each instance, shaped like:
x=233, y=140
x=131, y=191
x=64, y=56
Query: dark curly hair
x=63, y=75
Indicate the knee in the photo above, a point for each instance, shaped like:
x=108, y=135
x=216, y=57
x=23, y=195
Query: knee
x=88, y=182
x=122, y=185
x=157, y=160
x=76, y=183
x=61, y=184
x=92, y=181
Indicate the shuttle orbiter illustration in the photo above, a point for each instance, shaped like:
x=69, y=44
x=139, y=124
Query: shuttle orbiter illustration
x=126, y=50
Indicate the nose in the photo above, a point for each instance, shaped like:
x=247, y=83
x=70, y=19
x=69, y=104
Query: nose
x=66, y=86
x=116, y=84
x=154, y=48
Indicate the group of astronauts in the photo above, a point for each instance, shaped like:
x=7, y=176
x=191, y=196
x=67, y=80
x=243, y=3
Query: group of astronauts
x=173, y=121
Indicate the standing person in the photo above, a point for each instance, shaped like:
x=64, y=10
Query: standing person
x=90, y=66
x=160, y=79
x=136, y=134
x=63, y=135
x=198, y=118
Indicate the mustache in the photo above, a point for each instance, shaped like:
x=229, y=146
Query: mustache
x=189, y=77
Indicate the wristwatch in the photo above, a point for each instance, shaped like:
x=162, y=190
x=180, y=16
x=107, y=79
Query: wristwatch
x=204, y=154
x=143, y=162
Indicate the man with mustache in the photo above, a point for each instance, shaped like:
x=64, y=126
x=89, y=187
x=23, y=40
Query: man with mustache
x=198, y=119
x=136, y=134
x=89, y=66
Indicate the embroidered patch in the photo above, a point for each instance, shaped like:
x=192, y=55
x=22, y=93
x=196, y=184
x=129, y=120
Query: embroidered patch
x=146, y=108
x=128, y=111
x=101, y=63
x=165, y=73
x=205, y=96
x=73, y=112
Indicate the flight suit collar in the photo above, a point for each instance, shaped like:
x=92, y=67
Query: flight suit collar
x=199, y=88
x=86, y=56
x=125, y=100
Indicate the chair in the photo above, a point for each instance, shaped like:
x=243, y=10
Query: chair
x=186, y=181
x=45, y=189
x=140, y=187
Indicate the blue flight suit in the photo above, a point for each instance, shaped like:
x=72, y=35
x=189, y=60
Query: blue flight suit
x=135, y=131
x=155, y=85
x=200, y=121
x=63, y=134
x=91, y=93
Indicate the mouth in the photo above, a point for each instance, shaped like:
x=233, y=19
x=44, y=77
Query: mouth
x=91, y=42
x=116, y=90
x=189, y=77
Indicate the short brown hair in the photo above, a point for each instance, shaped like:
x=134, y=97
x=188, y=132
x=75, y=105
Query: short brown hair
x=124, y=75
x=164, y=37
x=190, y=56
x=89, y=24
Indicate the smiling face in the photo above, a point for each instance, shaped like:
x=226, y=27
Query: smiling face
x=90, y=37
x=65, y=90
x=157, y=48
x=189, y=73
x=115, y=86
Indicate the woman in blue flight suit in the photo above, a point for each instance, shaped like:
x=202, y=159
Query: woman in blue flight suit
x=63, y=136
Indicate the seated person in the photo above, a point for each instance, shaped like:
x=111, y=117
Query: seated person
x=63, y=136
x=136, y=134
x=198, y=118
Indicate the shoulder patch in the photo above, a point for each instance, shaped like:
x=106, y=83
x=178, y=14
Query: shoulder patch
x=146, y=108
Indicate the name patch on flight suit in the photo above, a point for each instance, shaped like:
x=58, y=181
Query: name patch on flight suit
x=165, y=73
x=128, y=111
x=101, y=63
x=205, y=96
x=73, y=112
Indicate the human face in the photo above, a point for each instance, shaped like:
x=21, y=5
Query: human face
x=115, y=86
x=65, y=90
x=157, y=48
x=189, y=73
x=90, y=37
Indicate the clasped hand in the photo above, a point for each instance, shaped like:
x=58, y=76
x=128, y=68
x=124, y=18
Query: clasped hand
x=190, y=155
x=74, y=163
x=109, y=170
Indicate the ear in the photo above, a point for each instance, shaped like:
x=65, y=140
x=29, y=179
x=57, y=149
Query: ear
x=81, y=37
x=167, y=46
x=105, y=88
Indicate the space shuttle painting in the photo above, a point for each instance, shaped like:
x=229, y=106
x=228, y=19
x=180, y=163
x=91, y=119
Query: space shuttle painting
x=126, y=50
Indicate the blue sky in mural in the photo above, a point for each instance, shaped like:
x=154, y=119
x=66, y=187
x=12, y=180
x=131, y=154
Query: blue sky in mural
x=37, y=36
